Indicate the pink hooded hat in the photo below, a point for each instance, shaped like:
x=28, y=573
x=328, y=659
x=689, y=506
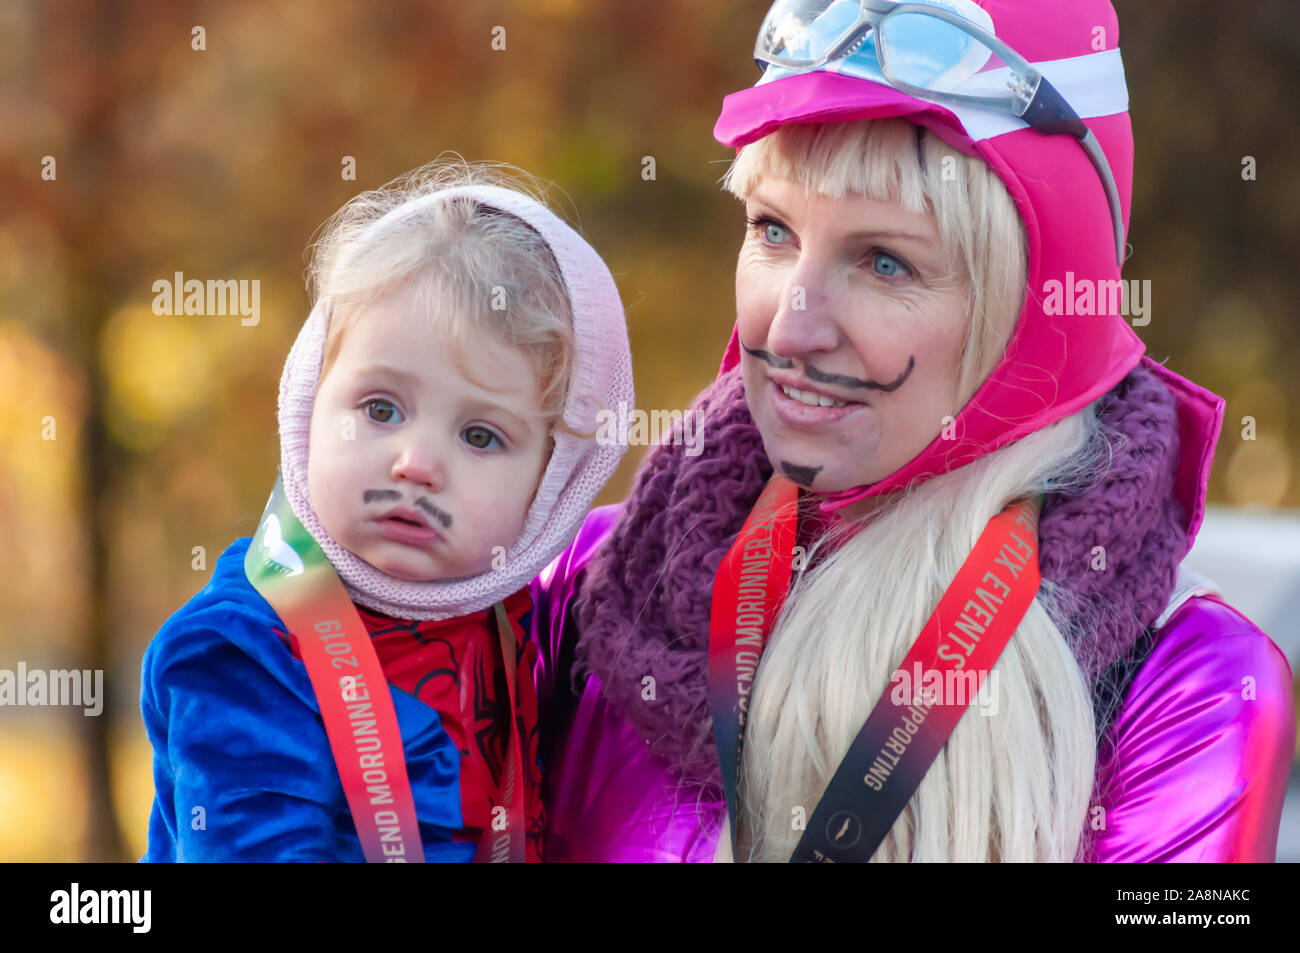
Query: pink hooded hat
x=1055, y=363
x=578, y=468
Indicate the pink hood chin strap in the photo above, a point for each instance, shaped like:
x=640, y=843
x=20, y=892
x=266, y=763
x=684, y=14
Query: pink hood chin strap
x=1070, y=344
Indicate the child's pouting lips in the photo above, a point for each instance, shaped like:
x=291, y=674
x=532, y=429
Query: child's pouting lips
x=403, y=531
x=405, y=525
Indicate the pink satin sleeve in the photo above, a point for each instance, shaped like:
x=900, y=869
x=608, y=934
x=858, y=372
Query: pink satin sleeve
x=635, y=813
x=1203, y=746
x=609, y=798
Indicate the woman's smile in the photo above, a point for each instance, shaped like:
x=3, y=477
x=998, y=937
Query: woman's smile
x=796, y=408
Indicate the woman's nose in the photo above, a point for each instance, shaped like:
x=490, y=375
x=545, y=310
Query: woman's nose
x=804, y=321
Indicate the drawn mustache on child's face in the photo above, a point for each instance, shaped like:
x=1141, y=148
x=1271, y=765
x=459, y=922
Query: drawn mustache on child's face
x=821, y=377
x=439, y=516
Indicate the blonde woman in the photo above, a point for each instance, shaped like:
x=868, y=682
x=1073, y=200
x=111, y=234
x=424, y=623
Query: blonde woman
x=934, y=450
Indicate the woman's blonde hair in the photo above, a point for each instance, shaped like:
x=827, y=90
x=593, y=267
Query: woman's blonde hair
x=471, y=268
x=1012, y=786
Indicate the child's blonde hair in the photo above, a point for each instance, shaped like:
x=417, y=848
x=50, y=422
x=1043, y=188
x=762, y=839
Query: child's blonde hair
x=470, y=266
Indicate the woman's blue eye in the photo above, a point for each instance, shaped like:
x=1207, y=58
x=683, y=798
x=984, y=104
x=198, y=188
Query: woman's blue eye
x=480, y=438
x=893, y=267
x=773, y=232
x=394, y=416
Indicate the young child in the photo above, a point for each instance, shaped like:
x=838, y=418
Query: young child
x=437, y=419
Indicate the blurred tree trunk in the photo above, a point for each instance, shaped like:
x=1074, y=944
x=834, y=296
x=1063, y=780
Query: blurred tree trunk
x=82, y=196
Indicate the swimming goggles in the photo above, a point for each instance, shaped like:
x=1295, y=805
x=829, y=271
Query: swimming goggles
x=940, y=52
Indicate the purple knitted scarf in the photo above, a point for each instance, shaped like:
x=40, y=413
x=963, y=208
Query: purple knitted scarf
x=645, y=601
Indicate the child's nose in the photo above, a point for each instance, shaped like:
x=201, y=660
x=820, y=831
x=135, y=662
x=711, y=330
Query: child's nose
x=421, y=467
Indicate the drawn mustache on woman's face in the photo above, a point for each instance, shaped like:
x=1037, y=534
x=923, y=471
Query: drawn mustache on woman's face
x=436, y=514
x=821, y=377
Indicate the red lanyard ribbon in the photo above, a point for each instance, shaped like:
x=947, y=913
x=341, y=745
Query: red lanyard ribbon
x=973, y=622
x=748, y=590
x=504, y=840
x=285, y=564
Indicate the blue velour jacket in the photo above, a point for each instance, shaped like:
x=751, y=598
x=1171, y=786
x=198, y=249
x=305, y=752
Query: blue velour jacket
x=242, y=766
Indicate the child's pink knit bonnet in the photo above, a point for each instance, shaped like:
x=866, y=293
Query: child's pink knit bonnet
x=577, y=470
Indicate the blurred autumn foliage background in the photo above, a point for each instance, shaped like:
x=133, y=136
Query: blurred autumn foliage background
x=126, y=155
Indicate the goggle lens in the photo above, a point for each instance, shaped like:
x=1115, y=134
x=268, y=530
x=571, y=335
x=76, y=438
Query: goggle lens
x=803, y=31
x=930, y=53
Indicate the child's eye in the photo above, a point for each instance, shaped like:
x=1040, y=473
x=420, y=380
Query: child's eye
x=887, y=266
x=480, y=438
x=389, y=413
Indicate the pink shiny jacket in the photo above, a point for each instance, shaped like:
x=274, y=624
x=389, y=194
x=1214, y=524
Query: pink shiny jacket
x=1203, y=743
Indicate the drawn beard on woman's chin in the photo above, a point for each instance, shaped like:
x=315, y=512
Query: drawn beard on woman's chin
x=802, y=474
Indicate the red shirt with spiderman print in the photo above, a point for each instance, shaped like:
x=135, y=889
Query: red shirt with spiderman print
x=454, y=666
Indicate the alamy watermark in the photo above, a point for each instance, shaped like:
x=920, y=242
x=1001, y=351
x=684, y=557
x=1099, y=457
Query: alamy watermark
x=130, y=907
x=82, y=688
x=931, y=687
x=1086, y=297
x=213, y=297
x=635, y=427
